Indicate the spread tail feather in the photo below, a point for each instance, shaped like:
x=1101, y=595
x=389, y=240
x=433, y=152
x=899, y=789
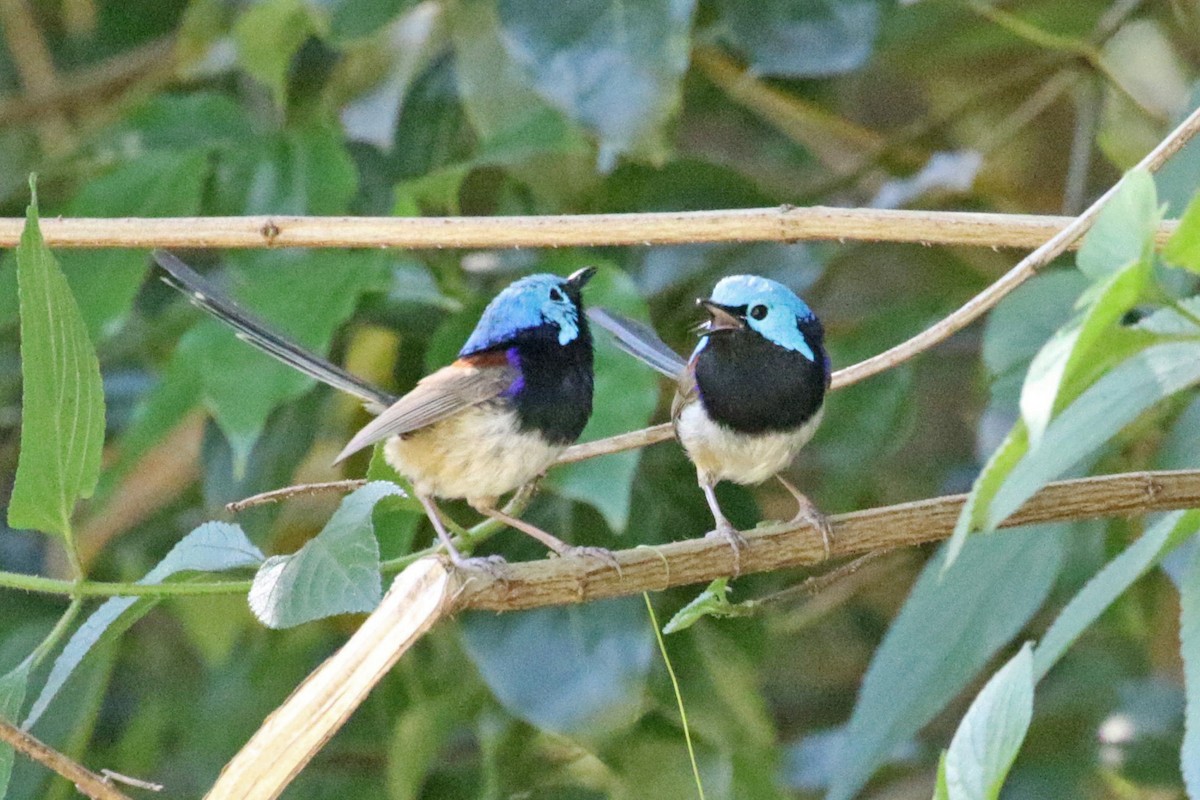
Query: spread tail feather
x=255, y=332
x=639, y=340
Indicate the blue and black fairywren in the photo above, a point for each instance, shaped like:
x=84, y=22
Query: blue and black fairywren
x=752, y=393
x=519, y=393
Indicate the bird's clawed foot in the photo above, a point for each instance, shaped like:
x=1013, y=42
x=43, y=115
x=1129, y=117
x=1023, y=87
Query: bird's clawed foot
x=809, y=514
x=600, y=553
x=489, y=565
x=729, y=534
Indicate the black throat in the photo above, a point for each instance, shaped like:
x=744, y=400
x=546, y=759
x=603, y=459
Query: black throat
x=754, y=386
x=553, y=396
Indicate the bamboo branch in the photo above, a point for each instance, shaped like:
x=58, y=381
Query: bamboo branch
x=81, y=777
x=780, y=224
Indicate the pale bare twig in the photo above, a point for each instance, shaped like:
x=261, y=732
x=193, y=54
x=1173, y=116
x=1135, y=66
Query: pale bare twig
x=86, y=781
x=779, y=224
x=983, y=302
x=288, y=492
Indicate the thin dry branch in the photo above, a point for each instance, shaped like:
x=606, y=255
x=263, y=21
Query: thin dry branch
x=577, y=579
x=81, y=777
x=780, y=224
x=983, y=302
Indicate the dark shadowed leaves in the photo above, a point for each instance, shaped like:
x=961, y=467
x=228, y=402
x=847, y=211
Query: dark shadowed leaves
x=802, y=39
x=213, y=547
x=573, y=670
x=612, y=66
x=949, y=628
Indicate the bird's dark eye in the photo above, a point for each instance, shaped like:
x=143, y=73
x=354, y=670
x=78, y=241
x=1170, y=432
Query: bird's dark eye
x=758, y=312
x=556, y=295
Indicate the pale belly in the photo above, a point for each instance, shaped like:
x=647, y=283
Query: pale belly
x=479, y=454
x=721, y=454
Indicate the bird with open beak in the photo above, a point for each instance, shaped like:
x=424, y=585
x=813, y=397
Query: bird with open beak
x=752, y=393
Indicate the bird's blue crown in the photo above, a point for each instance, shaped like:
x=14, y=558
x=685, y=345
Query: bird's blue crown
x=784, y=309
x=530, y=302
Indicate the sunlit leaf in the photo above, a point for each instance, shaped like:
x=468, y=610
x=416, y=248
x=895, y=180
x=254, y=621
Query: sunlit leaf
x=712, y=602
x=571, y=669
x=1183, y=248
x=949, y=628
x=1061, y=357
x=62, y=419
x=989, y=736
x=336, y=572
x=1106, y=407
x=1124, y=230
x=268, y=34
x=213, y=547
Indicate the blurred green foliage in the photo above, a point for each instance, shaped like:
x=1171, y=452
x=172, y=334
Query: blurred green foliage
x=213, y=107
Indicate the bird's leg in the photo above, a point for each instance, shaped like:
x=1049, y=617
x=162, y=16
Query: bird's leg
x=434, y=513
x=724, y=529
x=808, y=512
x=553, y=542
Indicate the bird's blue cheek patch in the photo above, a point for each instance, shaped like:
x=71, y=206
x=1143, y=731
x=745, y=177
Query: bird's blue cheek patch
x=782, y=329
x=568, y=324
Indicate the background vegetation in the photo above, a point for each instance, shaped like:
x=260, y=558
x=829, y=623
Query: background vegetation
x=486, y=107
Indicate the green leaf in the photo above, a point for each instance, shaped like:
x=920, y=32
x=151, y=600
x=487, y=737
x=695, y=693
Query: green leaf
x=62, y=419
x=1063, y=355
x=1189, y=639
x=12, y=697
x=712, y=602
x=569, y=669
x=300, y=170
x=989, y=736
x=973, y=516
x=1183, y=248
x=1106, y=407
x=613, y=67
x=1110, y=583
x=278, y=286
x=949, y=628
x=268, y=35
x=336, y=572
x=626, y=394
x=1019, y=327
x=1124, y=230
x=940, y=790
x=802, y=40
x=213, y=547
x=156, y=184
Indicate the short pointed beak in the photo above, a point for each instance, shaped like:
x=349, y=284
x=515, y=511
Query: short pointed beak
x=721, y=318
x=579, y=278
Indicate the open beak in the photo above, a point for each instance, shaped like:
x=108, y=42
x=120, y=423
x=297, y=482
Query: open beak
x=720, y=318
x=579, y=278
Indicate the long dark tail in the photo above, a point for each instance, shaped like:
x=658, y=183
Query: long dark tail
x=639, y=340
x=253, y=331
